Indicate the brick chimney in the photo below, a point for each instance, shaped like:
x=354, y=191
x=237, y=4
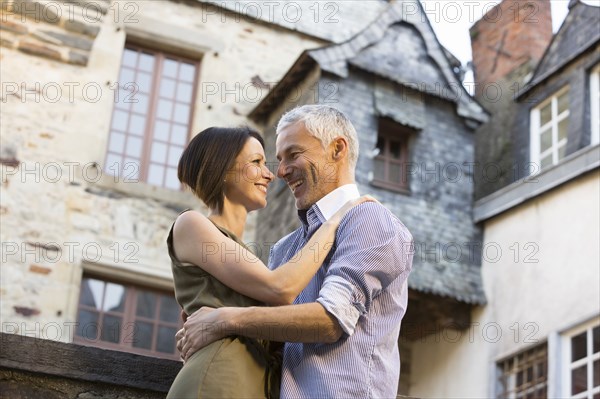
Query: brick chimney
x=508, y=35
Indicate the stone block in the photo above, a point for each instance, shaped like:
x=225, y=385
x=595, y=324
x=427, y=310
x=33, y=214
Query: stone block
x=39, y=49
x=11, y=26
x=76, y=26
x=70, y=40
x=77, y=58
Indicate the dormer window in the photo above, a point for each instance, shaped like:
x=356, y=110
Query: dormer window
x=549, y=130
x=391, y=156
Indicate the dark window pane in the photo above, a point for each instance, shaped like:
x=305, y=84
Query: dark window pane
x=111, y=329
x=596, y=373
x=578, y=346
x=395, y=173
x=562, y=150
x=169, y=309
x=92, y=292
x=596, y=339
x=578, y=380
x=563, y=129
x=87, y=324
x=546, y=114
x=546, y=140
x=146, y=304
x=381, y=145
x=563, y=102
x=529, y=377
x=546, y=161
x=142, y=335
x=395, y=148
x=166, y=340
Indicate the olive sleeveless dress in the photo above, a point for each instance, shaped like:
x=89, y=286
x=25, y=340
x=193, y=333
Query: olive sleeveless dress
x=234, y=367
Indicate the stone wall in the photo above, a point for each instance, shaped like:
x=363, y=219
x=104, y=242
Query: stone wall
x=62, y=215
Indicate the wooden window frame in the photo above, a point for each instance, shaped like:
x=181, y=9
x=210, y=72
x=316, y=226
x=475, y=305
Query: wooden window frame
x=508, y=373
x=391, y=131
x=154, y=97
x=129, y=317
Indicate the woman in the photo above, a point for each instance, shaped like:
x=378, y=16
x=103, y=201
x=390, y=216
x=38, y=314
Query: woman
x=226, y=169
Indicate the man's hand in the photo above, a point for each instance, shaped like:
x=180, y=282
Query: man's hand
x=202, y=328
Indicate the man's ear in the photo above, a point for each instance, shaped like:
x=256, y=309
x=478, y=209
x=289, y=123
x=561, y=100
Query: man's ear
x=340, y=148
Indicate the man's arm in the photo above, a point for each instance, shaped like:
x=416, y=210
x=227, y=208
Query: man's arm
x=293, y=323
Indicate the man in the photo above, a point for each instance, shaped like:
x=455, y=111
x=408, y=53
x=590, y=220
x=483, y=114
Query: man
x=342, y=330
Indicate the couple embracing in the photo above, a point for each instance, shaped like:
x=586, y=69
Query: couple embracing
x=335, y=290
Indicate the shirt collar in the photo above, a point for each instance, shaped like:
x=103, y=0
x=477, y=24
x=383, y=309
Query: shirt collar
x=332, y=202
x=327, y=206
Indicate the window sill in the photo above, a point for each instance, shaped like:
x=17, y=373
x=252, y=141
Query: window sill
x=116, y=187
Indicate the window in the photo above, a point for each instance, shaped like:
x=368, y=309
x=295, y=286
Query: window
x=524, y=375
x=391, y=159
x=128, y=318
x=581, y=354
x=152, y=115
x=549, y=129
x=595, y=104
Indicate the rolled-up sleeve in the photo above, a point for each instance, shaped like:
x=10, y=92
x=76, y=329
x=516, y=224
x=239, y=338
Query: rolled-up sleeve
x=372, y=249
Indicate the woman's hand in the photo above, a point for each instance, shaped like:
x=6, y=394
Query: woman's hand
x=339, y=215
x=202, y=328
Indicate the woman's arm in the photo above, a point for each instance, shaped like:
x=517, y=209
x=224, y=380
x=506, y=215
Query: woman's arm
x=198, y=241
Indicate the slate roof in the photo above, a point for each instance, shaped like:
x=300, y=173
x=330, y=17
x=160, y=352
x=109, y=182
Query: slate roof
x=398, y=46
x=578, y=33
x=458, y=281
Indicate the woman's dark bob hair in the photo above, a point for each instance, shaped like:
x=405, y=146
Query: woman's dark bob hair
x=207, y=159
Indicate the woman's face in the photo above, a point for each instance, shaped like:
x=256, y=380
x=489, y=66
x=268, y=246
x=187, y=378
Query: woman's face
x=247, y=181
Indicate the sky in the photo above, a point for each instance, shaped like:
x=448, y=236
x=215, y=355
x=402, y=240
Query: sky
x=451, y=20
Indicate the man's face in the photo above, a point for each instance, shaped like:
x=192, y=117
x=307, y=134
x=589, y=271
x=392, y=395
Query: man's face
x=305, y=165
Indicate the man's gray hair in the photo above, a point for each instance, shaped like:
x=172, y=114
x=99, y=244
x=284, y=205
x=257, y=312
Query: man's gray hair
x=325, y=123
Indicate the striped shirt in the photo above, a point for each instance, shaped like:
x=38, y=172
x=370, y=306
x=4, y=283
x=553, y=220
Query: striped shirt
x=363, y=284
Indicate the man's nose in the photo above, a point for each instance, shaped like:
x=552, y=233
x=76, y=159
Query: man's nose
x=281, y=170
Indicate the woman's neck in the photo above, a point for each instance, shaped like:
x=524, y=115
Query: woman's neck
x=232, y=218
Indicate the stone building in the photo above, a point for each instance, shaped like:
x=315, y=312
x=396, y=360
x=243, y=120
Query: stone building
x=416, y=130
